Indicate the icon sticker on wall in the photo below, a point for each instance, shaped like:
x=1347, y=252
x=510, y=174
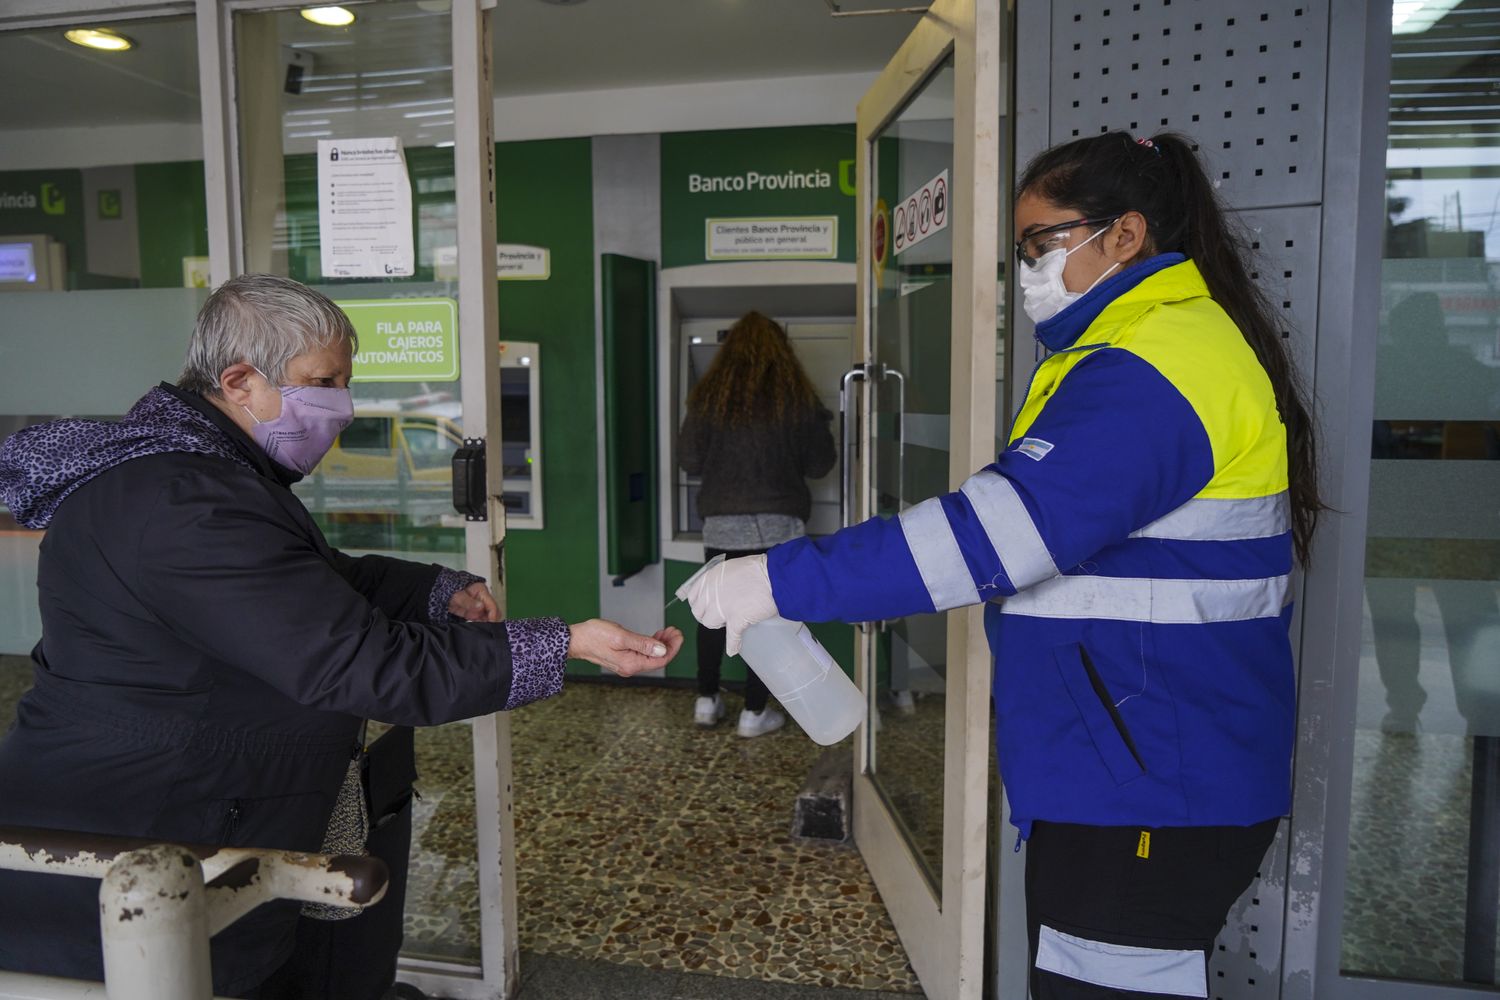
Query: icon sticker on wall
x=195, y=272
x=53, y=200
x=109, y=205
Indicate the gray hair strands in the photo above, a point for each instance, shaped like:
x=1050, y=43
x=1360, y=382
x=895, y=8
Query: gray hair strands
x=263, y=320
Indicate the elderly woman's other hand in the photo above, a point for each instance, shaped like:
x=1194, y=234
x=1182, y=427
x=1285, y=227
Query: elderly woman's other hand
x=474, y=603
x=619, y=650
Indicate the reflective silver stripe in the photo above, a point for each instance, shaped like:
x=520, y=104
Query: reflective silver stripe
x=1224, y=520
x=944, y=572
x=1010, y=529
x=1123, y=967
x=1165, y=602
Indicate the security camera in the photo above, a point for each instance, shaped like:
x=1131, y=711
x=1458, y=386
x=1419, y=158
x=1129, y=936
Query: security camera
x=297, y=65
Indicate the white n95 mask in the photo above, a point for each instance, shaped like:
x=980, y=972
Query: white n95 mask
x=1043, y=294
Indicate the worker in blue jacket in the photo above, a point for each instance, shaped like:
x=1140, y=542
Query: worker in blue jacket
x=1135, y=544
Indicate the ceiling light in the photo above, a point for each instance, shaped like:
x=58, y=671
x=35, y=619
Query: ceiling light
x=99, y=38
x=329, y=17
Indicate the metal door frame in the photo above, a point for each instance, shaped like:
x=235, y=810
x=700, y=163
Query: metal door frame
x=943, y=933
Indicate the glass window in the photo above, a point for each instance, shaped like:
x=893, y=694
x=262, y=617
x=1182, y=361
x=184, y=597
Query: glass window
x=387, y=75
x=430, y=446
x=1425, y=820
x=103, y=242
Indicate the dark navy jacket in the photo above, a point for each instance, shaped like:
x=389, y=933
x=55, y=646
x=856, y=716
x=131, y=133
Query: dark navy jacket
x=205, y=663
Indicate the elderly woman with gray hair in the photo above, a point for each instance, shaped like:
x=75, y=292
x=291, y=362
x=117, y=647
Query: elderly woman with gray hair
x=207, y=659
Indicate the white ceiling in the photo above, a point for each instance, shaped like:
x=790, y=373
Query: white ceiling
x=627, y=43
x=56, y=84
x=397, y=51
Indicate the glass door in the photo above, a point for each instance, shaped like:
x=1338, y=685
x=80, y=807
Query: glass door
x=929, y=195
x=350, y=171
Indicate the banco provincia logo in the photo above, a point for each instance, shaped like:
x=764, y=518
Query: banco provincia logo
x=53, y=202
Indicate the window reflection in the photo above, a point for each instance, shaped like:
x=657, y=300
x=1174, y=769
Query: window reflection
x=1427, y=742
x=103, y=244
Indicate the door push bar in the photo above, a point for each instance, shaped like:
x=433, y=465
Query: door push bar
x=848, y=440
x=884, y=372
x=849, y=446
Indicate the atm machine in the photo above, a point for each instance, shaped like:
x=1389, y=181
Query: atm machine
x=33, y=263
x=822, y=344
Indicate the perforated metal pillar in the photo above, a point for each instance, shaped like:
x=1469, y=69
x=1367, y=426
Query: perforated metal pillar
x=1247, y=82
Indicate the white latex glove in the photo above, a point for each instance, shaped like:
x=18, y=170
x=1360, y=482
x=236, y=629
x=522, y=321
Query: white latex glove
x=732, y=595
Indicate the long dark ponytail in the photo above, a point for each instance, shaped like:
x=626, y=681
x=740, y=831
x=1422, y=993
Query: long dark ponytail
x=1107, y=175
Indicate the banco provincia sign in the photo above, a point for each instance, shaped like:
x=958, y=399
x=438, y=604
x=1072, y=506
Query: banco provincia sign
x=753, y=180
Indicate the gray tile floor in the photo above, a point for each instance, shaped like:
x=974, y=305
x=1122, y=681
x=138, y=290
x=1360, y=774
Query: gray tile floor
x=550, y=977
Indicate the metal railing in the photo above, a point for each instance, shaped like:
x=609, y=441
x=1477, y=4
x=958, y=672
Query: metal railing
x=160, y=903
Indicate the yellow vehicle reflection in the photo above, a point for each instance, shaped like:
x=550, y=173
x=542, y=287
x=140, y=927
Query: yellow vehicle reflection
x=390, y=460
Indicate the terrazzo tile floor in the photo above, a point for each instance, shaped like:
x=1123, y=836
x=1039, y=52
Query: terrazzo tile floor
x=642, y=840
x=548, y=977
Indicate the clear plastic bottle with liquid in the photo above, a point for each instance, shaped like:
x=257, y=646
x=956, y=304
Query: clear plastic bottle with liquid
x=801, y=674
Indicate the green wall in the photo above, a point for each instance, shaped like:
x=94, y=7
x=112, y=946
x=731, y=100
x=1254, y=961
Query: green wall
x=171, y=210
x=546, y=199
x=172, y=219
x=734, y=154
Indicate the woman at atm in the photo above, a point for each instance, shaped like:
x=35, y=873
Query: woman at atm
x=755, y=432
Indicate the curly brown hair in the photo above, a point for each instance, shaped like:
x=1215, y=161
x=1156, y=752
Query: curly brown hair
x=754, y=378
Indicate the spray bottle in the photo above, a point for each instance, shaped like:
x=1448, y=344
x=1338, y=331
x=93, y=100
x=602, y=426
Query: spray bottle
x=800, y=674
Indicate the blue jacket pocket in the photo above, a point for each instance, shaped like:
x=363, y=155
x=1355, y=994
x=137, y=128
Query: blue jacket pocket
x=1100, y=716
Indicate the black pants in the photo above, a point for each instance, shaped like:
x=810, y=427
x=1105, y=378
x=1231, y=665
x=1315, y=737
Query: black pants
x=1132, y=912
x=711, y=642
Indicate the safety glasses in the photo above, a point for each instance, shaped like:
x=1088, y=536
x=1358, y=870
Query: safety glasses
x=1031, y=247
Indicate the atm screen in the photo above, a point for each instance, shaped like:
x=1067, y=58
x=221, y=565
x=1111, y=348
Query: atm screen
x=17, y=262
x=515, y=421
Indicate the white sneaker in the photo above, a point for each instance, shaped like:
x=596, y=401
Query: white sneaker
x=768, y=720
x=708, y=711
x=904, y=702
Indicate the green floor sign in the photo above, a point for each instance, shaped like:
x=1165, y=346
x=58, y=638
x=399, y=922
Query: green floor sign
x=404, y=340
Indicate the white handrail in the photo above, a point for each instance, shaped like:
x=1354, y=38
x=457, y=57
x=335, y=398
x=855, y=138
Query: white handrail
x=160, y=903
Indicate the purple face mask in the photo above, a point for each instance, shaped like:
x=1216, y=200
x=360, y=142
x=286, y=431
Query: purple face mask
x=311, y=417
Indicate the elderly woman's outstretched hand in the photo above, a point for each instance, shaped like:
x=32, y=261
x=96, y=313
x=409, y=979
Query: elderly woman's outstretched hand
x=619, y=650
